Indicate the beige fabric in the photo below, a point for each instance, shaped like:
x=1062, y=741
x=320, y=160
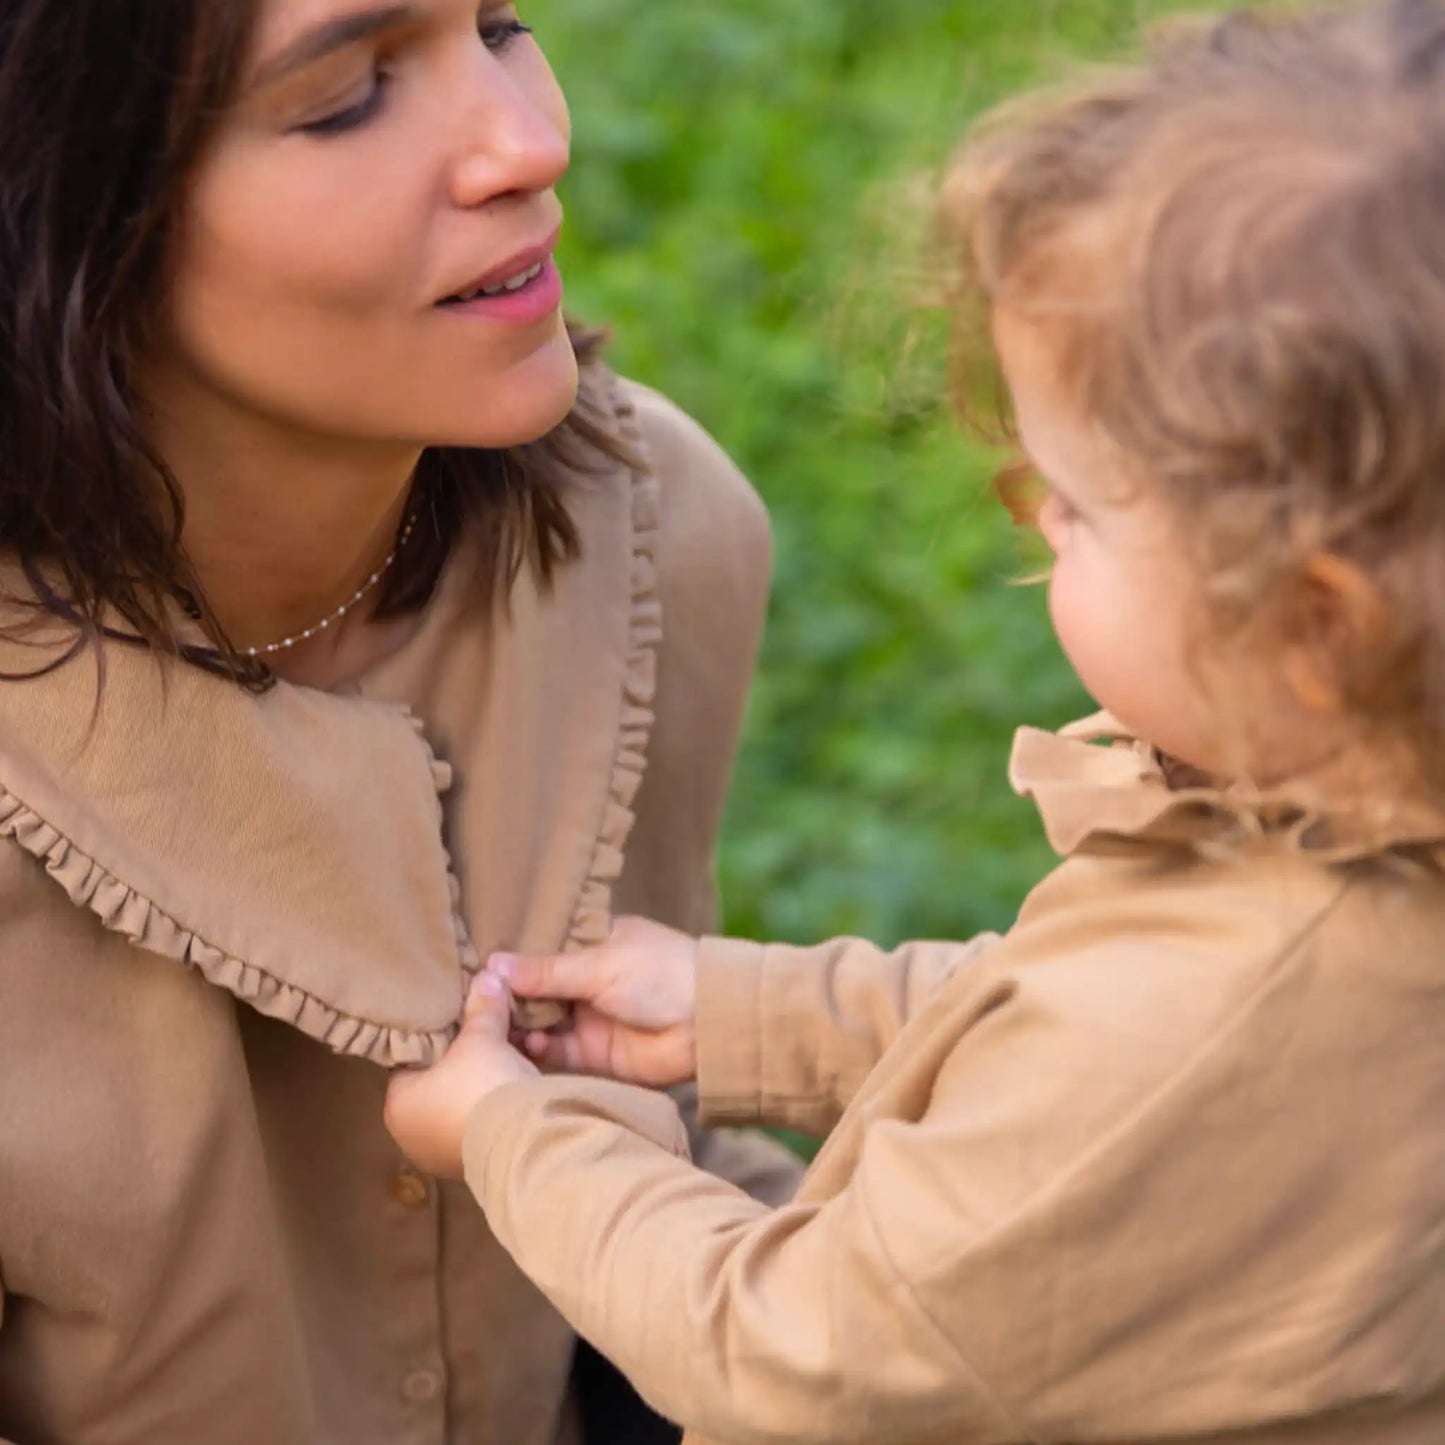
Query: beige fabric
x=1165, y=1163
x=220, y=914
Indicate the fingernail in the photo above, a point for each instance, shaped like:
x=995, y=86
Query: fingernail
x=503, y=965
x=489, y=985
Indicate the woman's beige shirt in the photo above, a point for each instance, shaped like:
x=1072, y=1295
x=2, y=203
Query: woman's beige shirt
x=223, y=918
x=1165, y=1163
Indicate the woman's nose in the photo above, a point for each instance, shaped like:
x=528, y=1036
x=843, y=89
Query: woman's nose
x=515, y=138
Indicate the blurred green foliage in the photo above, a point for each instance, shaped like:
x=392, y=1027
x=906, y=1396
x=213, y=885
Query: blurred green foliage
x=729, y=214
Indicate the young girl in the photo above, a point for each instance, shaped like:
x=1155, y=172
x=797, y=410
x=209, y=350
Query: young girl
x=1167, y=1161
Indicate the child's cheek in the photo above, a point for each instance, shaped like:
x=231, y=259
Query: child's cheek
x=1070, y=608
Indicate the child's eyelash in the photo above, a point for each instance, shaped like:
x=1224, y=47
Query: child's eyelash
x=1022, y=491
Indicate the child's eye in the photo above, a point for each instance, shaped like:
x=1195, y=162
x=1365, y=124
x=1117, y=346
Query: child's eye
x=497, y=35
x=1056, y=517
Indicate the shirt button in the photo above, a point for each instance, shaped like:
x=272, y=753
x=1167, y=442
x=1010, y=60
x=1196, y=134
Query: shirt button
x=420, y=1387
x=410, y=1189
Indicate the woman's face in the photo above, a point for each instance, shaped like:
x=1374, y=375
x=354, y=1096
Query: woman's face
x=382, y=163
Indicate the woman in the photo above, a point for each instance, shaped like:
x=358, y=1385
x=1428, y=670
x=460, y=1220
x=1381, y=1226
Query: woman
x=339, y=630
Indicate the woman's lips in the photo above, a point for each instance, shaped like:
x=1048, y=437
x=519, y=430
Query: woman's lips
x=506, y=275
x=534, y=301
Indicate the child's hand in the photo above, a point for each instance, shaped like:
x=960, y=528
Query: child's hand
x=427, y=1110
x=635, y=997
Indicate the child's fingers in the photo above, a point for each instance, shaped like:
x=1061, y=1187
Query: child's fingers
x=559, y=975
x=488, y=1009
x=594, y=1046
x=584, y=1048
x=558, y=1053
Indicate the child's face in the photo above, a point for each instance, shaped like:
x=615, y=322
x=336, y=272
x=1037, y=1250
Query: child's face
x=1122, y=588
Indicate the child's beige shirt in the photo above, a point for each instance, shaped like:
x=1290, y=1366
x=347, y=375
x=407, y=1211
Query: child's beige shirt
x=1166, y=1162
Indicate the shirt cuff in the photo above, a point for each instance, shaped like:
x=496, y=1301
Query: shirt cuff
x=730, y=1030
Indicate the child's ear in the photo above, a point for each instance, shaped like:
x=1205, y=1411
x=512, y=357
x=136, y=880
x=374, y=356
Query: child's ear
x=1334, y=620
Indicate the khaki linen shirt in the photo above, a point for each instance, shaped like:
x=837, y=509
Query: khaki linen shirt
x=1165, y=1163
x=224, y=917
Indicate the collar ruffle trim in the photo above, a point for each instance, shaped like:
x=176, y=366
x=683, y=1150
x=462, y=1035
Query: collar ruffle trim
x=591, y=918
x=1098, y=789
x=124, y=910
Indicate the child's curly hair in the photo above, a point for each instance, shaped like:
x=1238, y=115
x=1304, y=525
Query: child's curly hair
x=1240, y=246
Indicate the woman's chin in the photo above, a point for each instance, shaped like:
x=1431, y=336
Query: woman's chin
x=531, y=400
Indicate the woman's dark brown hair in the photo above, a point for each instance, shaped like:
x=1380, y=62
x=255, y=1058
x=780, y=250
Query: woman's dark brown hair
x=105, y=106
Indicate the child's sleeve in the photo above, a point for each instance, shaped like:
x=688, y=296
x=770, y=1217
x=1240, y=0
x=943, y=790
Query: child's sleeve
x=1077, y=1192
x=752, y=1325
x=786, y=1035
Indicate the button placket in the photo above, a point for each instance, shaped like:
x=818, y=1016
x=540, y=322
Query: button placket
x=420, y=1385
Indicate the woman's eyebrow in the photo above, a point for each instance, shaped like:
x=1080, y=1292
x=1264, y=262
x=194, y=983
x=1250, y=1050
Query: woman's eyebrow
x=331, y=35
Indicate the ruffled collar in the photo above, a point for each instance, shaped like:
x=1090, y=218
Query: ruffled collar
x=333, y=861
x=1099, y=789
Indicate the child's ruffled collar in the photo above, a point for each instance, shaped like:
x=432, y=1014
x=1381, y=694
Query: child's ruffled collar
x=1099, y=789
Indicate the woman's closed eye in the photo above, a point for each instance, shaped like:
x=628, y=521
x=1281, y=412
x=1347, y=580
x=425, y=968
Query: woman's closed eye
x=352, y=116
x=497, y=33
